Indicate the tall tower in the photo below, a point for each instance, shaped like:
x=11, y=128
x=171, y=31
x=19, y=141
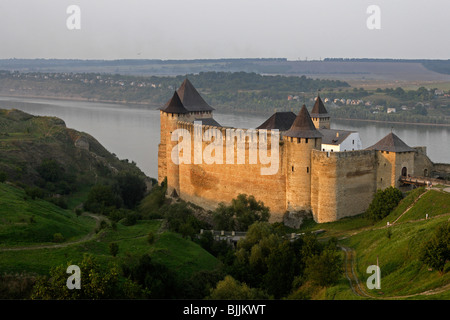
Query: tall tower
x=300, y=140
x=319, y=115
x=185, y=105
x=170, y=113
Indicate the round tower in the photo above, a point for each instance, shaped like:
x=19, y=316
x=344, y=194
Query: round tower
x=300, y=140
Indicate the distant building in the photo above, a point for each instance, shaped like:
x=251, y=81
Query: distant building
x=391, y=110
x=340, y=140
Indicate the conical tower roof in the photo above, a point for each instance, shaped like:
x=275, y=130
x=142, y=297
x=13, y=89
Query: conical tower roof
x=319, y=110
x=279, y=120
x=174, y=105
x=391, y=143
x=303, y=127
x=191, y=99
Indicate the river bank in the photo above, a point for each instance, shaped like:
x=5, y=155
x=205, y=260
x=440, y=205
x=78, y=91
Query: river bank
x=224, y=111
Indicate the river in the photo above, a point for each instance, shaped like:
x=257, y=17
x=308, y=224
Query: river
x=132, y=132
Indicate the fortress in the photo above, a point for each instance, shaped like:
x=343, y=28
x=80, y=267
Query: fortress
x=321, y=171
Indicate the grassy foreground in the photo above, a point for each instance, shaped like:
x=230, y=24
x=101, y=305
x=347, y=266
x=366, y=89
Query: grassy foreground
x=397, y=249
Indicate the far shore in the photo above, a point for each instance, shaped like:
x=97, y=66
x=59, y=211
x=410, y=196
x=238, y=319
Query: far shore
x=155, y=106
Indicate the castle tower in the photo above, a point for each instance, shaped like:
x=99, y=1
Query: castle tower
x=319, y=115
x=190, y=98
x=395, y=159
x=170, y=113
x=299, y=141
x=186, y=105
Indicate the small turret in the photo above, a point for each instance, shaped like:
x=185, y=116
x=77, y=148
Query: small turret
x=319, y=115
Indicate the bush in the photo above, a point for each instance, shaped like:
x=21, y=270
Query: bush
x=130, y=219
x=383, y=203
x=58, y=238
x=156, y=280
x=113, y=248
x=151, y=237
x=2, y=176
x=98, y=282
x=243, y=212
x=78, y=212
x=102, y=199
x=180, y=219
x=132, y=189
x=34, y=192
x=231, y=289
x=436, y=252
x=324, y=269
x=50, y=170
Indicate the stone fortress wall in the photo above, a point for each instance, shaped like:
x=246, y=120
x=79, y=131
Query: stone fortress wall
x=329, y=185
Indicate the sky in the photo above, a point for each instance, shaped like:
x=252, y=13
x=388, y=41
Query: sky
x=214, y=29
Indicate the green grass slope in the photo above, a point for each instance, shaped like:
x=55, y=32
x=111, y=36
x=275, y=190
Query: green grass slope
x=434, y=203
x=398, y=247
x=24, y=221
x=180, y=255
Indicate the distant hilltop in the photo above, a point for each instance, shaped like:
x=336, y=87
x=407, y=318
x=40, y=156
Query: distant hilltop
x=342, y=68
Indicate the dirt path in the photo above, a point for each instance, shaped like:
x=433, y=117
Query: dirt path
x=412, y=205
x=87, y=237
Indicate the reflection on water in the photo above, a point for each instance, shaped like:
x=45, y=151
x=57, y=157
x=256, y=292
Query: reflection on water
x=132, y=132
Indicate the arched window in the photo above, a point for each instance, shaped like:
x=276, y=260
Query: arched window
x=404, y=172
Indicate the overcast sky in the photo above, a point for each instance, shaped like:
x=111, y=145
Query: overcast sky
x=192, y=29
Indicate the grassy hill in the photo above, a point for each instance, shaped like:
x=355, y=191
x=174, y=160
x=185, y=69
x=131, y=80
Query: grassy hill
x=27, y=249
x=397, y=248
x=43, y=162
x=53, y=161
x=27, y=222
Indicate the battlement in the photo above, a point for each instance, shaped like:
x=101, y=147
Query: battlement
x=227, y=133
x=323, y=155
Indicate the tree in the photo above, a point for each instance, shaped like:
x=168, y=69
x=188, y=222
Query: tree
x=223, y=217
x=132, y=189
x=181, y=219
x=101, y=199
x=96, y=282
x=231, y=289
x=280, y=270
x=243, y=212
x=436, y=252
x=50, y=170
x=324, y=269
x=156, y=280
x=383, y=203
